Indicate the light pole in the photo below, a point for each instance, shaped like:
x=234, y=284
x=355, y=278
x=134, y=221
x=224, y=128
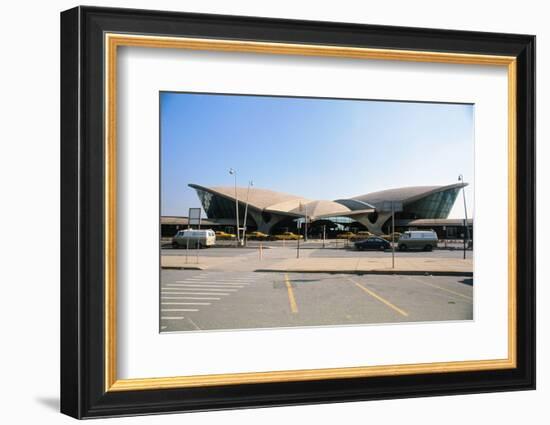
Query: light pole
x=233, y=172
x=467, y=229
x=392, y=235
x=250, y=183
x=305, y=223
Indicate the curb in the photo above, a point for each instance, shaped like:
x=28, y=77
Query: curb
x=376, y=272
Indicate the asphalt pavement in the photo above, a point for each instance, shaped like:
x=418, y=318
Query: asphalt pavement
x=196, y=300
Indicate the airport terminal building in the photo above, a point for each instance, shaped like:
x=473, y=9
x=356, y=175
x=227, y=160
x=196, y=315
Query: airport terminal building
x=271, y=212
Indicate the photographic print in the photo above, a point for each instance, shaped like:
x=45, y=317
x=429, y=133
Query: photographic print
x=257, y=184
x=291, y=211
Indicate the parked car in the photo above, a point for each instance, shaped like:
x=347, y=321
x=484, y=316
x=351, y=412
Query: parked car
x=287, y=236
x=257, y=235
x=345, y=235
x=194, y=238
x=418, y=239
x=222, y=235
x=361, y=235
x=396, y=236
x=372, y=243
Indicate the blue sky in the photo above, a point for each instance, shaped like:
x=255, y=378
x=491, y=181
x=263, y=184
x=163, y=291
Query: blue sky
x=316, y=148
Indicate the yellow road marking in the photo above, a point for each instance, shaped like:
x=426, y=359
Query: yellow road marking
x=433, y=285
x=291, y=299
x=379, y=298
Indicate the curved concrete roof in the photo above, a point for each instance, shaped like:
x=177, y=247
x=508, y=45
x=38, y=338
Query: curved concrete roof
x=405, y=194
x=278, y=202
x=321, y=209
x=284, y=203
x=257, y=198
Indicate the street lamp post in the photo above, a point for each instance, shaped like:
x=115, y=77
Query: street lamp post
x=250, y=183
x=392, y=235
x=305, y=223
x=467, y=229
x=233, y=172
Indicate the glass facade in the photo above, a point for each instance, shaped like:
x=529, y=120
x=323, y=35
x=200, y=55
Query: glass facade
x=332, y=225
x=216, y=206
x=345, y=221
x=436, y=205
x=354, y=204
x=335, y=223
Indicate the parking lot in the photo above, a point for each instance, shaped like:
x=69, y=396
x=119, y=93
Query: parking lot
x=194, y=300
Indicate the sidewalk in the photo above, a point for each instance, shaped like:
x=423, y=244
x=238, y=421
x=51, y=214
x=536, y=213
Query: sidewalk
x=425, y=265
x=306, y=264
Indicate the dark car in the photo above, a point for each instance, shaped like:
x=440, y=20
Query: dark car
x=372, y=243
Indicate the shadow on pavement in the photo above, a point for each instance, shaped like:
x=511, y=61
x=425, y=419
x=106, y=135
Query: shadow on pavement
x=468, y=281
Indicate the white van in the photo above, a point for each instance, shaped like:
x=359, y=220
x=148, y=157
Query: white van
x=418, y=239
x=195, y=238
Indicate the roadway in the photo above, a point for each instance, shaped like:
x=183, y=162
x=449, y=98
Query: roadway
x=312, y=249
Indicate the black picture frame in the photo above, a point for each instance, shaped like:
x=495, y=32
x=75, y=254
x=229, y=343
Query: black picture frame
x=83, y=392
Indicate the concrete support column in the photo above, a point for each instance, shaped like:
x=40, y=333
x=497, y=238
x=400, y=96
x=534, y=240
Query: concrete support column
x=375, y=227
x=263, y=226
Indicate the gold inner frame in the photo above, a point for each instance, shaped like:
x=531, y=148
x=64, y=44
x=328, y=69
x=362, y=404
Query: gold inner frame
x=113, y=41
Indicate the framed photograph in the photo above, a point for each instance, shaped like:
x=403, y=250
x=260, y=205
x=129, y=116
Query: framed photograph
x=261, y=212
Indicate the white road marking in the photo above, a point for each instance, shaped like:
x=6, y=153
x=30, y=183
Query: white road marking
x=205, y=287
x=197, y=278
x=236, y=278
x=194, y=324
x=199, y=285
x=210, y=282
x=180, y=297
x=221, y=279
x=198, y=288
x=186, y=282
x=163, y=327
x=236, y=282
x=195, y=293
x=441, y=288
x=239, y=278
x=180, y=309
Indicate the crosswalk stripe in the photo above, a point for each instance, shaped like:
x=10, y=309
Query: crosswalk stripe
x=236, y=280
x=182, y=297
x=197, y=282
x=210, y=282
x=180, y=309
x=240, y=278
x=198, y=285
x=196, y=288
x=195, y=293
x=197, y=278
x=171, y=318
x=171, y=303
x=222, y=277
